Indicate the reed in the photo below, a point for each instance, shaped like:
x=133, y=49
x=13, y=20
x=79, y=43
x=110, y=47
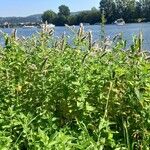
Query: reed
x=55, y=95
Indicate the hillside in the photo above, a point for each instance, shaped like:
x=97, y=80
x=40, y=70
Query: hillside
x=31, y=18
x=13, y=20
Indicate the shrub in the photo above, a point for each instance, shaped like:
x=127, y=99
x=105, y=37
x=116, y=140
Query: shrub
x=58, y=96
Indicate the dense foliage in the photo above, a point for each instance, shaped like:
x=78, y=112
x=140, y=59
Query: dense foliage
x=65, y=17
x=57, y=96
x=49, y=16
x=129, y=10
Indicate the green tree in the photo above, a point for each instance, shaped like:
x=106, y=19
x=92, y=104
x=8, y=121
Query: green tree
x=129, y=14
x=138, y=10
x=61, y=20
x=83, y=17
x=146, y=8
x=126, y=9
x=49, y=16
x=72, y=20
x=109, y=8
x=64, y=10
x=63, y=15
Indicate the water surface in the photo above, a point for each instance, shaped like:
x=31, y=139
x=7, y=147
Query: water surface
x=128, y=30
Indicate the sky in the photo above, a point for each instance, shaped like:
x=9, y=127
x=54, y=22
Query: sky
x=30, y=7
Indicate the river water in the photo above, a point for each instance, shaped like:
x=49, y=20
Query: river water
x=128, y=31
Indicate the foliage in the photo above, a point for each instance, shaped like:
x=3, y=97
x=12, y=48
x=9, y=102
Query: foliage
x=60, y=96
x=64, y=10
x=65, y=17
x=49, y=16
x=129, y=10
x=109, y=7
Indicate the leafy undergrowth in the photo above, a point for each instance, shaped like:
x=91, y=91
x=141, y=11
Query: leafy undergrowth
x=54, y=96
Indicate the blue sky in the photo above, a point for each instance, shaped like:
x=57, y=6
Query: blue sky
x=29, y=7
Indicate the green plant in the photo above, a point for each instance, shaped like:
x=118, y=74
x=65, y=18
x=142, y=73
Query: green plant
x=55, y=96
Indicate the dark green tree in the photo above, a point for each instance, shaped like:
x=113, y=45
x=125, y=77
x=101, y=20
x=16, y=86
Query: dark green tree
x=63, y=15
x=61, y=20
x=126, y=9
x=49, y=16
x=64, y=10
x=138, y=10
x=72, y=20
x=109, y=8
x=94, y=16
x=83, y=17
x=146, y=8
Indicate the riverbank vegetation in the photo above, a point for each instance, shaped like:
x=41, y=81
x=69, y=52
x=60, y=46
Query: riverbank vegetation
x=86, y=95
x=130, y=10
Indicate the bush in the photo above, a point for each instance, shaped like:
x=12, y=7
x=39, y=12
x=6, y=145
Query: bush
x=58, y=96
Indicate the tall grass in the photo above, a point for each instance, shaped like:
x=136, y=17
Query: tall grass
x=54, y=96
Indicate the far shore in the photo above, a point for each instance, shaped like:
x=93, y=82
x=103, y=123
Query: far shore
x=38, y=24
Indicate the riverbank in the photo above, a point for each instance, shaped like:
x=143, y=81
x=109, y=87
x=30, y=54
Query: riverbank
x=38, y=25
x=90, y=96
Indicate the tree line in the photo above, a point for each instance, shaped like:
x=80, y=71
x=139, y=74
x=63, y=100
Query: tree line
x=129, y=10
x=64, y=16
